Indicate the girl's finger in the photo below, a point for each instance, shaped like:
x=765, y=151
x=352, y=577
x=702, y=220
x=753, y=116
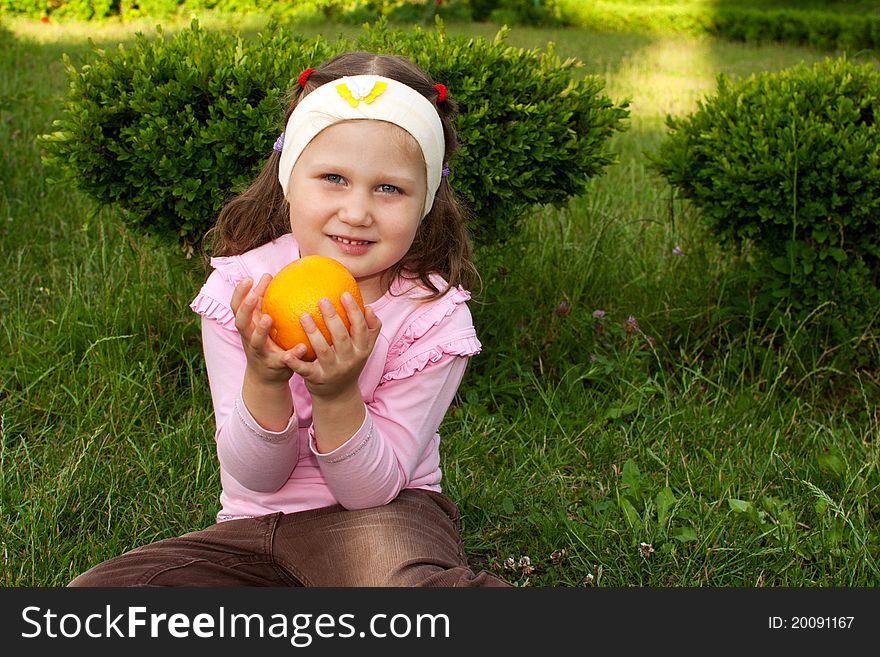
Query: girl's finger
x=260, y=335
x=358, y=324
x=316, y=338
x=293, y=359
x=339, y=335
x=244, y=314
x=238, y=294
x=260, y=288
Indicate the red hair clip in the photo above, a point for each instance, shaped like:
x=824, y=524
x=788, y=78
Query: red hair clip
x=441, y=92
x=304, y=77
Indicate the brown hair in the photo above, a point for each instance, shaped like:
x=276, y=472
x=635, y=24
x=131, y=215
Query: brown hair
x=442, y=244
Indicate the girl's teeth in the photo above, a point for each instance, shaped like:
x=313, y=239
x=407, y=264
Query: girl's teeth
x=345, y=241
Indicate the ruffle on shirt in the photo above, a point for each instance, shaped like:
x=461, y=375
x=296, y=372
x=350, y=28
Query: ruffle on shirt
x=230, y=270
x=460, y=343
x=212, y=309
x=467, y=346
x=435, y=313
x=215, y=296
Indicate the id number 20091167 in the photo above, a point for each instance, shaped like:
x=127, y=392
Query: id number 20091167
x=810, y=622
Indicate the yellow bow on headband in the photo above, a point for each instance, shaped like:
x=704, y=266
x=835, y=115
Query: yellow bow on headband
x=363, y=90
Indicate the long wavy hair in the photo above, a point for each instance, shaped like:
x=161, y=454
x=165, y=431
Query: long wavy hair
x=442, y=243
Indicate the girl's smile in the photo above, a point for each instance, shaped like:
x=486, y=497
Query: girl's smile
x=356, y=195
x=351, y=246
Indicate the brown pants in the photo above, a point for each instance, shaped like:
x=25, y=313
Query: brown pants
x=413, y=541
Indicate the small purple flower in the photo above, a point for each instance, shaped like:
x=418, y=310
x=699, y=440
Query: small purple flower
x=631, y=325
x=677, y=251
x=563, y=308
x=600, y=329
x=598, y=314
x=652, y=342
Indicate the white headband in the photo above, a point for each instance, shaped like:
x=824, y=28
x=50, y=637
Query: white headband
x=366, y=97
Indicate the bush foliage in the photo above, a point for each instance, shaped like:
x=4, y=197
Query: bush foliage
x=790, y=162
x=169, y=128
x=830, y=24
x=827, y=25
x=355, y=11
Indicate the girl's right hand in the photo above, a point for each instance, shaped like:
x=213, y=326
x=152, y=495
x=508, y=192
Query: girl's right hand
x=266, y=360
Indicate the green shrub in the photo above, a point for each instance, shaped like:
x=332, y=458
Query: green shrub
x=482, y=9
x=168, y=129
x=524, y=12
x=425, y=11
x=76, y=9
x=808, y=24
x=790, y=163
x=350, y=11
x=24, y=7
x=152, y=8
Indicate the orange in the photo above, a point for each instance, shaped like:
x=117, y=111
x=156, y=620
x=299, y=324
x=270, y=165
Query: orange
x=296, y=289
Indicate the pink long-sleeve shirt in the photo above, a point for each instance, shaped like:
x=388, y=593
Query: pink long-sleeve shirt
x=407, y=385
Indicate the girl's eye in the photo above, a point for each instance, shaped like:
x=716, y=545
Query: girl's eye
x=333, y=178
x=388, y=189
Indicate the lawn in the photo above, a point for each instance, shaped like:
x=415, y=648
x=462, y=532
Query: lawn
x=684, y=451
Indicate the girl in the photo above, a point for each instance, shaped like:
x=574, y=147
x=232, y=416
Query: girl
x=330, y=469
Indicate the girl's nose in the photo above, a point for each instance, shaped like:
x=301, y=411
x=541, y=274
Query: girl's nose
x=356, y=210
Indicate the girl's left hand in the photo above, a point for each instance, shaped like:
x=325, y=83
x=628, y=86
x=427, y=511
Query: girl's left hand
x=337, y=367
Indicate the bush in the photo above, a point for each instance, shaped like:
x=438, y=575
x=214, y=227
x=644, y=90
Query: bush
x=350, y=11
x=807, y=24
x=168, y=129
x=152, y=8
x=76, y=9
x=427, y=10
x=790, y=162
x=524, y=12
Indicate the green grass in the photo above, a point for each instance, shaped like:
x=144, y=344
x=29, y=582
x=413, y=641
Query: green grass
x=735, y=463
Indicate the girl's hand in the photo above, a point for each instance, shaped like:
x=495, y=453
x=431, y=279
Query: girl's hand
x=267, y=362
x=337, y=367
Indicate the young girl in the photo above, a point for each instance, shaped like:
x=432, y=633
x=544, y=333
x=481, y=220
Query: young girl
x=331, y=468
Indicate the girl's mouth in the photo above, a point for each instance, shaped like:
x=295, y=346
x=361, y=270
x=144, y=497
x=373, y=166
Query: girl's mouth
x=344, y=240
x=351, y=247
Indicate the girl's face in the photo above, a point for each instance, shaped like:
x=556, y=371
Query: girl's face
x=356, y=195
